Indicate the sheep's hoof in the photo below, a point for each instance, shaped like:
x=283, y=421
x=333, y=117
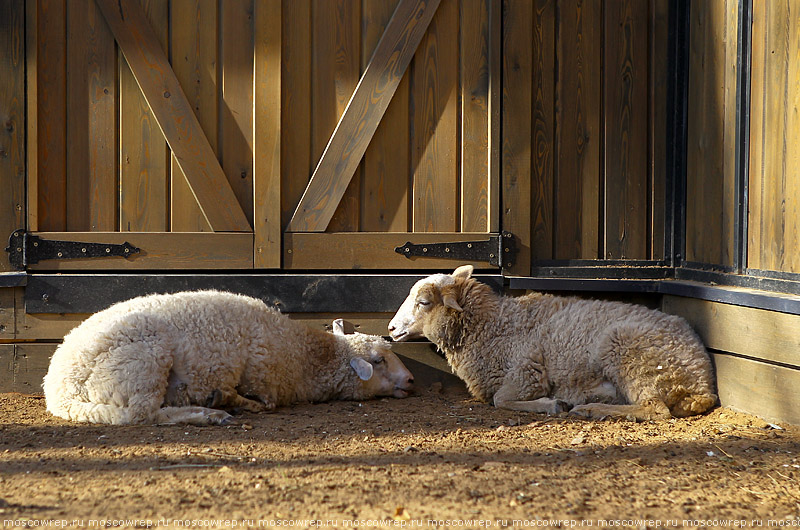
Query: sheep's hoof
x=219, y=417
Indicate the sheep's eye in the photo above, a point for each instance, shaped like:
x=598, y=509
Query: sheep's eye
x=377, y=360
x=423, y=303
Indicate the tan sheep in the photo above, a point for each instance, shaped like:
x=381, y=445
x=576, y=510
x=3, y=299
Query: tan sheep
x=169, y=358
x=545, y=353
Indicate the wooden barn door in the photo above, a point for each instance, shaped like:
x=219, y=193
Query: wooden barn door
x=126, y=147
x=391, y=108
x=295, y=134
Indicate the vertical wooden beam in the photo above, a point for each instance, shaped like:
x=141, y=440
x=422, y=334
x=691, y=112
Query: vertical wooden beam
x=236, y=99
x=31, y=54
x=295, y=104
x=193, y=39
x=144, y=154
x=517, y=130
x=51, y=115
x=475, y=129
x=434, y=149
x=267, y=135
x=12, y=122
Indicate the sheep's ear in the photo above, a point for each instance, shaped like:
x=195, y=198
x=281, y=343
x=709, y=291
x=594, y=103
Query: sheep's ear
x=338, y=327
x=363, y=368
x=450, y=301
x=463, y=272
x=343, y=327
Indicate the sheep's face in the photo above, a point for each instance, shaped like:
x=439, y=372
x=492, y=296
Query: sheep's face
x=410, y=320
x=379, y=370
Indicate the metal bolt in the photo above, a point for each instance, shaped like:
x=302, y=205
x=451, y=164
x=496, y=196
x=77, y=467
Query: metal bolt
x=35, y=243
x=469, y=245
x=491, y=255
x=83, y=250
x=60, y=255
x=167, y=94
x=425, y=249
x=446, y=249
x=108, y=250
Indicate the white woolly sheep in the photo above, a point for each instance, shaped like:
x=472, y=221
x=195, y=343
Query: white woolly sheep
x=170, y=358
x=545, y=353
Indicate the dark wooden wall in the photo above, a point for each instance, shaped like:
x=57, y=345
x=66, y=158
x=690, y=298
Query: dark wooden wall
x=584, y=117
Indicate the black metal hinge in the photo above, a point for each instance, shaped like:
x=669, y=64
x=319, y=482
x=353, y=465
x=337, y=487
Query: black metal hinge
x=25, y=249
x=499, y=250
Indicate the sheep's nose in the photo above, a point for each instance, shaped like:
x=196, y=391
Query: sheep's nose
x=392, y=327
x=410, y=380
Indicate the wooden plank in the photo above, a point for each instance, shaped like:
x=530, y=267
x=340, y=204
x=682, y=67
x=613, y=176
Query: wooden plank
x=367, y=250
x=12, y=121
x=728, y=176
x=175, y=116
x=475, y=133
x=32, y=107
x=517, y=128
x=792, y=154
x=434, y=145
x=144, y=154
x=659, y=81
x=267, y=135
x=23, y=366
x=295, y=104
x=8, y=328
x=543, y=133
x=91, y=92
x=774, y=183
x=762, y=389
x=160, y=251
x=335, y=70
x=757, y=134
x=45, y=326
x=757, y=333
x=495, y=112
x=194, y=61
x=360, y=119
x=578, y=140
x=52, y=118
x=385, y=188
x=236, y=105
x=625, y=154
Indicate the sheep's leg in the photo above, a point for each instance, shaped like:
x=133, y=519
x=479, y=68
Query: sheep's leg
x=193, y=415
x=508, y=398
x=177, y=392
x=651, y=409
x=231, y=399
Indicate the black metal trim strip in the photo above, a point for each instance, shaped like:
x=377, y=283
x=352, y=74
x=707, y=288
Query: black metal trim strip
x=742, y=164
x=291, y=293
x=13, y=279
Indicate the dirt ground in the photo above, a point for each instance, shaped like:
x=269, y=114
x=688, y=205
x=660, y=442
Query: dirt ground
x=437, y=459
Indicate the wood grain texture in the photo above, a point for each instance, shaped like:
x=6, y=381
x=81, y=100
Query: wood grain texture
x=267, y=225
x=434, y=155
x=336, y=31
x=475, y=132
x=8, y=327
x=365, y=110
x=659, y=81
x=385, y=188
x=792, y=154
x=194, y=39
x=711, y=151
x=543, y=133
x=295, y=104
x=32, y=112
x=12, y=121
x=762, y=389
x=91, y=123
x=52, y=117
x=144, y=154
x=758, y=333
x=159, y=251
x=23, y=366
x=757, y=125
x=236, y=104
x=367, y=250
x=625, y=101
x=175, y=116
x=517, y=128
x=578, y=137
